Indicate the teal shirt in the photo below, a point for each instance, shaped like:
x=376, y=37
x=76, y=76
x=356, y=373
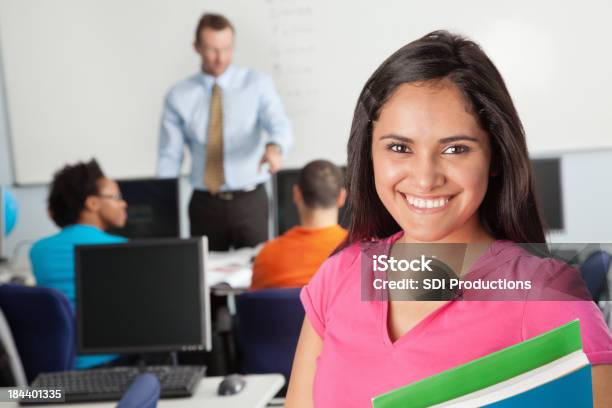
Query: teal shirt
x=53, y=267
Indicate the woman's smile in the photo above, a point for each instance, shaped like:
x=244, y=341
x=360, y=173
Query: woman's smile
x=427, y=205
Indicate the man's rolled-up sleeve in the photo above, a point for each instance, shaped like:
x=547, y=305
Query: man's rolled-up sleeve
x=171, y=141
x=272, y=116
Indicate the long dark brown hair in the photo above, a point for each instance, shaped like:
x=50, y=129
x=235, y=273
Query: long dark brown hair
x=509, y=209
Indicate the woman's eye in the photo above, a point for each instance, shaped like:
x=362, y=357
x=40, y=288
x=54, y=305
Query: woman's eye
x=398, y=148
x=456, y=149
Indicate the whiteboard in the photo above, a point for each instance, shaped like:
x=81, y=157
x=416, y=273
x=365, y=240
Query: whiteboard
x=87, y=77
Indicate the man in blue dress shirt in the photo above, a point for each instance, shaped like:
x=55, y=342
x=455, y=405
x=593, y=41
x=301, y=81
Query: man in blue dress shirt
x=219, y=114
x=83, y=203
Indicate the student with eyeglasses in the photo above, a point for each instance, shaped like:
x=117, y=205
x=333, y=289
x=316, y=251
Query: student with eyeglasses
x=84, y=203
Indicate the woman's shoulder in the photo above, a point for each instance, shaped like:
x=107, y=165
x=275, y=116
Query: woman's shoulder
x=348, y=259
x=337, y=282
x=558, y=295
x=342, y=262
x=549, y=278
x=344, y=267
x=526, y=258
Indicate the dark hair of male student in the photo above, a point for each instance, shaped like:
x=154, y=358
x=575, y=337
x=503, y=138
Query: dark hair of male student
x=216, y=22
x=509, y=209
x=70, y=188
x=320, y=183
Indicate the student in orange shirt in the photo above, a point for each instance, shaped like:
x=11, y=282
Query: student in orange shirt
x=293, y=258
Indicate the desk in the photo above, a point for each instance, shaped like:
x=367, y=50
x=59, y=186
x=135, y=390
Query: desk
x=259, y=390
x=232, y=267
x=229, y=274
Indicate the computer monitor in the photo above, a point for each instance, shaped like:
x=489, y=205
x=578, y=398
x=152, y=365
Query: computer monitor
x=547, y=175
x=153, y=208
x=142, y=296
x=286, y=215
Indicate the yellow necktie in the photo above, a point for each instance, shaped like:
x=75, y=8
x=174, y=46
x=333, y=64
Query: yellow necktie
x=213, y=170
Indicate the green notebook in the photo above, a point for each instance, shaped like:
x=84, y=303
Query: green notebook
x=486, y=371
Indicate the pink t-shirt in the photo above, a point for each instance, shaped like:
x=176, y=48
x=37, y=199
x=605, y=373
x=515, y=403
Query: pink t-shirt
x=359, y=361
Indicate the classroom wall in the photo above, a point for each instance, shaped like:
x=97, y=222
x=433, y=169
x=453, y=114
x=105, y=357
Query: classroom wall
x=33, y=222
x=70, y=63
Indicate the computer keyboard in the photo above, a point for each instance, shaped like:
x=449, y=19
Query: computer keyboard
x=109, y=384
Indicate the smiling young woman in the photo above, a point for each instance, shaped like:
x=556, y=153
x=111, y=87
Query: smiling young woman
x=436, y=153
x=431, y=163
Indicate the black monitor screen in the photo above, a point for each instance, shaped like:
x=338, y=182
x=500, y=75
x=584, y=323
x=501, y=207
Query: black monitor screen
x=142, y=297
x=547, y=175
x=286, y=211
x=153, y=208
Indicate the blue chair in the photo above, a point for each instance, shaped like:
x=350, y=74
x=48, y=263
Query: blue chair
x=143, y=393
x=594, y=271
x=267, y=328
x=43, y=328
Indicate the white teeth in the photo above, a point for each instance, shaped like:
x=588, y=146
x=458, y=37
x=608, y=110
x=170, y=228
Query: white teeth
x=422, y=203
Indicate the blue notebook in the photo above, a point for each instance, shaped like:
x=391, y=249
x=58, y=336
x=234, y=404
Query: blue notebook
x=573, y=390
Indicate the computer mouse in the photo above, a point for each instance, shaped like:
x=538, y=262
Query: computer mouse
x=232, y=384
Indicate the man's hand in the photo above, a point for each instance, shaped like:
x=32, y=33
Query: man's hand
x=273, y=157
